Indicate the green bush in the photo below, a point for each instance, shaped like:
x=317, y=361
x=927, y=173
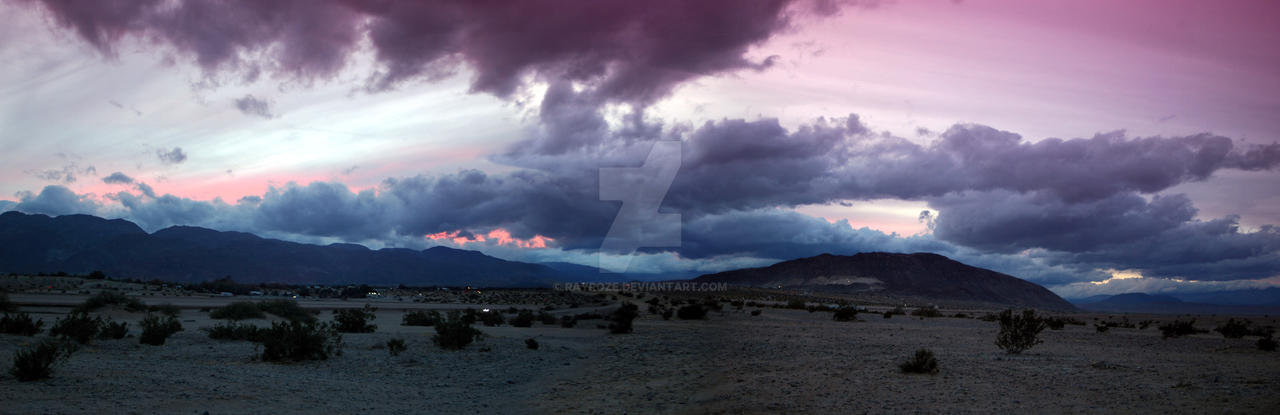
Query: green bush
x=531, y=344
x=420, y=318
x=454, y=333
x=1179, y=328
x=922, y=362
x=286, y=309
x=845, y=313
x=19, y=323
x=298, y=341
x=239, y=310
x=113, y=330
x=77, y=326
x=620, y=320
x=395, y=346
x=523, y=319
x=235, y=331
x=37, y=362
x=1019, y=332
x=156, y=329
x=691, y=312
x=355, y=320
x=106, y=298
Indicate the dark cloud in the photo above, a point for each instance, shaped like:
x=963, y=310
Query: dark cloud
x=627, y=51
x=56, y=200
x=249, y=105
x=117, y=178
x=173, y=156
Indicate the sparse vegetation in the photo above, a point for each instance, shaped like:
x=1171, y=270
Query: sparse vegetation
x=845, y=313
x=454, y=333
x=77, y=326
x=755, y=312
x=1179, y=328
x=37, y=361
x=922, y=362
x=113, y=298
x=355, y=320
x=531, y=344
x=298, y=341
x=420, y=318
x=286, y=309
x=1267, y=344
x=795, y=304
x=235, y=331
x=167, y=309
x=395, y=346
x=1235, y=329
x=568, y=322
x=239, y=310
x=156, y=330
x=20, y=323
x=692, y=312
x=524, y=318
x=620, y=320
x=929, y=311
x=113, y=330
x=1019, y=332
x=7, y=306
x=491, y=318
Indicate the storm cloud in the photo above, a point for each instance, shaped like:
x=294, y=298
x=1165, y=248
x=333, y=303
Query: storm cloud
x=628, y=51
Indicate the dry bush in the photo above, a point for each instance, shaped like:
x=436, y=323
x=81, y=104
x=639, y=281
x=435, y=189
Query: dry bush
x=156, y=330
x=454, y=333
x=37, y=362
x=922, y=362
x=20, y=324
x=1019, y=332
x=355, y=320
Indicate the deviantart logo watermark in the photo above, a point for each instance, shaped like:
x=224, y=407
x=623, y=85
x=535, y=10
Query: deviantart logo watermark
x=641, y=190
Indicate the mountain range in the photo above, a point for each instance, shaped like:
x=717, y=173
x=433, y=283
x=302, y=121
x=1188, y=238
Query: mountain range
x=921, y=275
x=1166, y=304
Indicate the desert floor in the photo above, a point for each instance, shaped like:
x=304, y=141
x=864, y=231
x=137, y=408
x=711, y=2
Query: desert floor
x=782, y=361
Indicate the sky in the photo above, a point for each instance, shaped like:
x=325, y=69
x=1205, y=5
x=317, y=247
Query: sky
x=1094, y=147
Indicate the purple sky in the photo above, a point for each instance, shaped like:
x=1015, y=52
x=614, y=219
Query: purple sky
x=1090, y=146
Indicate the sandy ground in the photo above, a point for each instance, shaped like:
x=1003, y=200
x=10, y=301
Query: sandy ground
x=786, y=361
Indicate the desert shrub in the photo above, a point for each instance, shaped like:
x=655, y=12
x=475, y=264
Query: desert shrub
x=37, y=361
x=77, y=326
x=888, y=314
x=1019, y=332
x=796, y=304
x=922, y=362
x=1055, y=323
x=1267, y=344
x=846, y=313
x=568, y=322
x=239, y=310
x=1142, y=325
x=235, y=331
x=355, y=320
x=19, y=323
x=1179, y=328
x=106, y=298
x=960, y=315
x=547, y=318
x=755, y=312
x=167, y=309
x=156, y=329
x=490, y=318
x=1101, y=328
x=298, y=341
x=7, y=306
x=395, y=346
x=531, y=344
x=454, y=333
x=420, y=318
x=898, y=310
x=989, y=317
x=587, y=316
x=691, y=312
x=926, y=312
x=286, y=309
x=1234, y=329
x=667, y=313
x=113, y=330
x=620, y=320
x=523, y=319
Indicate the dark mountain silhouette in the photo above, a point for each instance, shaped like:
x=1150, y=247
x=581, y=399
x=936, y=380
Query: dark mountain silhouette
x=82, y=243
x=1164, y=304
x=921, y=275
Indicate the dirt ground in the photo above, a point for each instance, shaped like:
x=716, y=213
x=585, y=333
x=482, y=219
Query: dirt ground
x=782, y=361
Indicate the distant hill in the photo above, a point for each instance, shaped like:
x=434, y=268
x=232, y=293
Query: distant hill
x=1164, y=304
x=920, y=275
x=82, y=243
